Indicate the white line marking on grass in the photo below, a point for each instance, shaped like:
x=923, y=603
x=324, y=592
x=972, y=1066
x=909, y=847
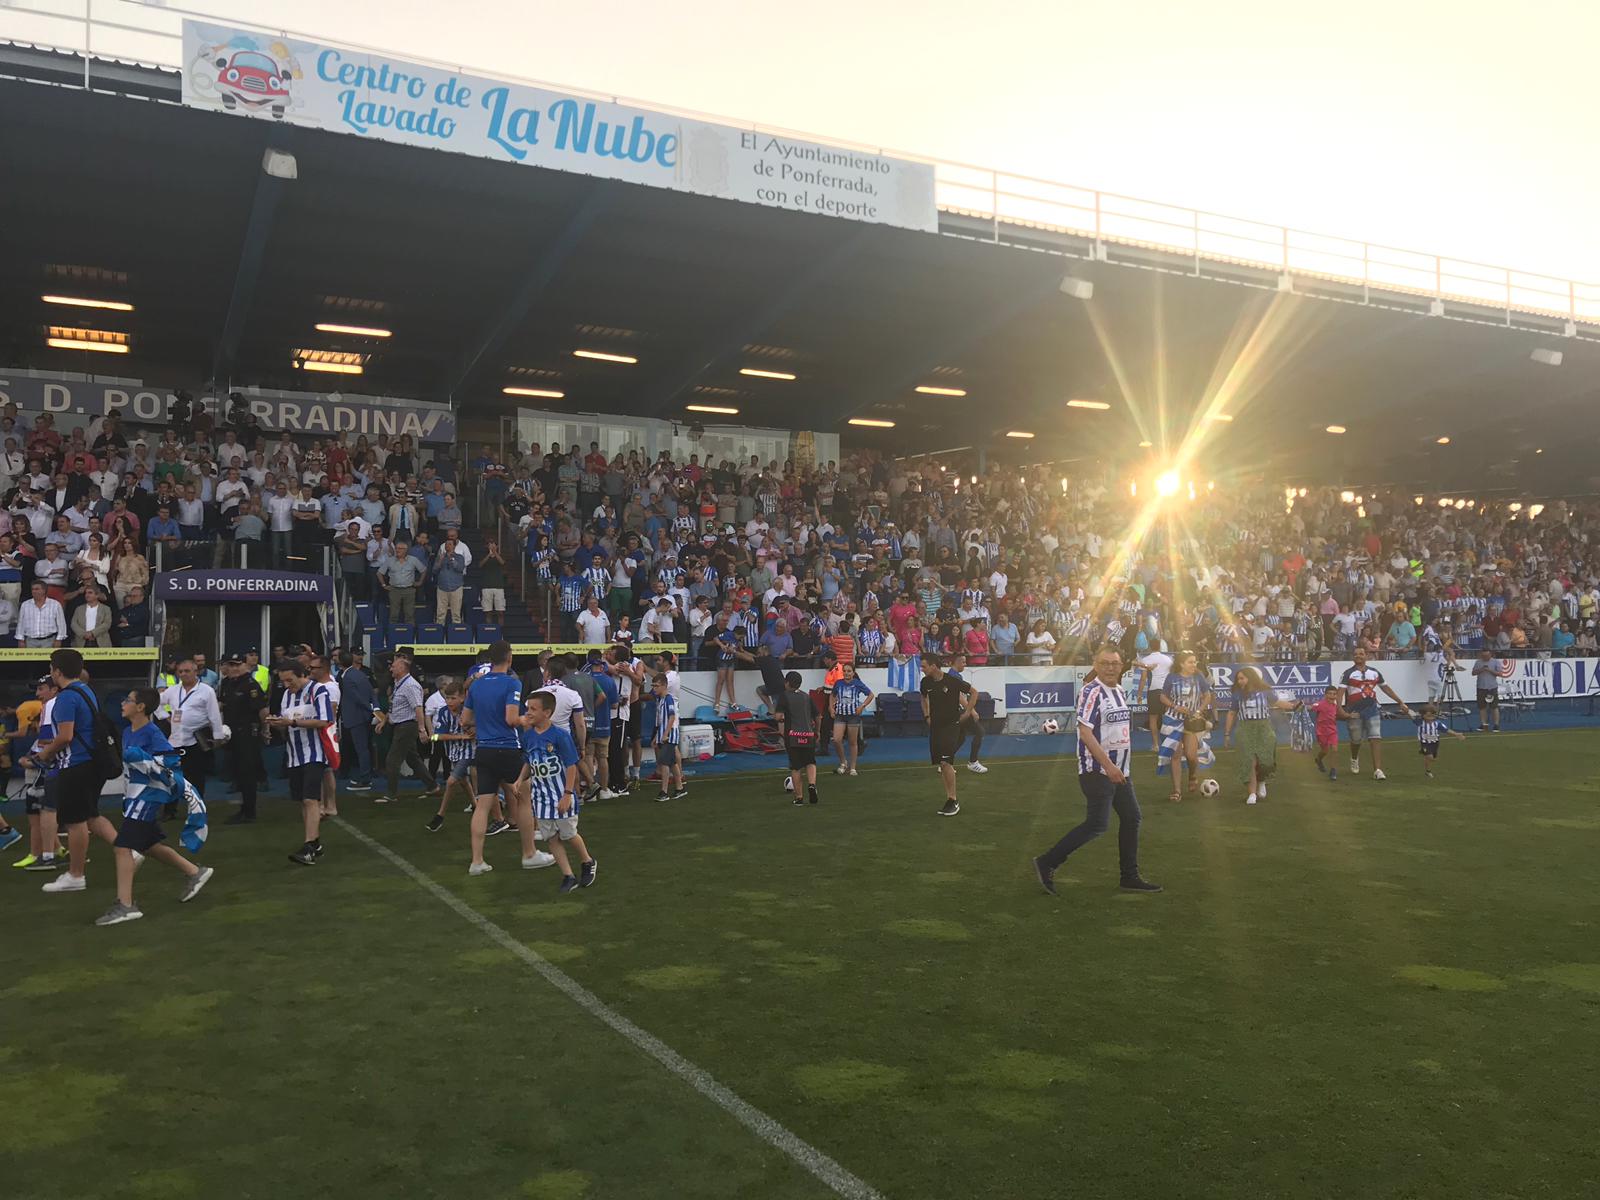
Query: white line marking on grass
x=768, y=1130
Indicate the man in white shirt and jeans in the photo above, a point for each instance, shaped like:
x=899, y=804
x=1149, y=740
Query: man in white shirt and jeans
x=196, y=721
x=280, y=507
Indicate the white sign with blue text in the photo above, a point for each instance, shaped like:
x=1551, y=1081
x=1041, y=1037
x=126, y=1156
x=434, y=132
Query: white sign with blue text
x=279, y=78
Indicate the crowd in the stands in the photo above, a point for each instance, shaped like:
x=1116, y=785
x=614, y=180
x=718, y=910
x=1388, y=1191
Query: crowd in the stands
x=871, y=559
x=874, y=559
x=92, y=515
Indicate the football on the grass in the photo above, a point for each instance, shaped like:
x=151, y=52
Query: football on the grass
x=1051, y=725
x=1209, y=787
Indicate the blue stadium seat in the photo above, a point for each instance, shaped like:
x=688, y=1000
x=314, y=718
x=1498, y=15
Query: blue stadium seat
x=430, y=635
x=891, y=708
x=365, y=613
x=488, y=633
x=706, y=714
x=399, y=635
x=459, y=635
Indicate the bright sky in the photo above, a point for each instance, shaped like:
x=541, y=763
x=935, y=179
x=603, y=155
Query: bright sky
x=1458, y=127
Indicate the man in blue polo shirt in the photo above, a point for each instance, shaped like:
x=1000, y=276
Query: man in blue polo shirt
x=71, y=781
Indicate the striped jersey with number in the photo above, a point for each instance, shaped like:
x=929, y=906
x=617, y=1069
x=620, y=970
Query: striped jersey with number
x=313, y=704
x=850, y=696
x=666, y=727
x=445, y=722
x=549, y=754
x=1104, y=709
x=1254, y=706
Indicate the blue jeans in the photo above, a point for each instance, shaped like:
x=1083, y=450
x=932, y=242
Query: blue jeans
x=361, y=739
x=1102, y=796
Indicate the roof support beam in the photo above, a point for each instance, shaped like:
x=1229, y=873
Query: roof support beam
x=263, y=209
x=941, y=347
x=761, y=319
x=542, y=268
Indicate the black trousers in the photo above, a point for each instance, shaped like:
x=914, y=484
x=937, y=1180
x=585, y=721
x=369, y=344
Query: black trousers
x=198, y=765
x=617, y=760
x=973, y=728
x=1101, y=796
x=244, y=761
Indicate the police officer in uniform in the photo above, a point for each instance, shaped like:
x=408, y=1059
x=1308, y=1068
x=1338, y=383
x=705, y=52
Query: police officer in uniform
x=243, y=704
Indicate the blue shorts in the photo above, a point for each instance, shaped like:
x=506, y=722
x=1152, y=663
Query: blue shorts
x=461, y=768
x=1366, y=726
x=601, y=732
x=667, y=755
x=853, y=719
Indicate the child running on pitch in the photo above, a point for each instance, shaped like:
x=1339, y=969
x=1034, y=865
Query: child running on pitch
x=797, y=724
x=669, y=761
x=1328, y=713
x=553, y=783
x=1430, y=731
x=447, y=728
x=153, y=782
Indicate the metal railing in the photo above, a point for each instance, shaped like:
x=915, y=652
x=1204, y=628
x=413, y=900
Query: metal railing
x=1010, y=201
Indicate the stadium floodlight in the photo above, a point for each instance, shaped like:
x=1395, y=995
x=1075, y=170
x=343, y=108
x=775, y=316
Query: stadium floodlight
x=1078, y=289
x=1167, y=483
x=69, y=343
x=1220, y=417
x=1550, y=358
x=604, y=356
x=85, y=302
x=1515, y=506
x=1540, y=450
x=1336, y=429
x=873, y=423
x=1347, y=496
x=1443, y=441
x=712, y=408
x=1534, y=510
x=759, y=373
x=330, y=362
x=541, y=393
x=1097, y=405
x=355, y=330
x=1416, y=499
x=1146, y=445
x=1017, y=433
x=930, y=390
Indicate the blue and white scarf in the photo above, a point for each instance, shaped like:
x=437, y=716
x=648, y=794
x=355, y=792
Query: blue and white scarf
x=1172, y=744
x=905, y=674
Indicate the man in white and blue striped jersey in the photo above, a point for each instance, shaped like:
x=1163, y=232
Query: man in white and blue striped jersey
x=305, y=711
x=1105, y=763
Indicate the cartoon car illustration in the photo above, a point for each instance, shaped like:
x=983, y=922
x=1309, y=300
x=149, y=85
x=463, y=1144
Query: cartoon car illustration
x=252, y=79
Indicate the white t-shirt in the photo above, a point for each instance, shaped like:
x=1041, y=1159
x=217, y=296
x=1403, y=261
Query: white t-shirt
x=567, y=701
x=593, y=629
x=1042, y=646
x=431, y=707
x=1158, y=664
x=997, y=584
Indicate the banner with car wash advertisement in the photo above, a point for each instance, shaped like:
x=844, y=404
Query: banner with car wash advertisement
x=322, y=86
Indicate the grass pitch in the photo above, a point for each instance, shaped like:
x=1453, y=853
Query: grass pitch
x=1356, y=989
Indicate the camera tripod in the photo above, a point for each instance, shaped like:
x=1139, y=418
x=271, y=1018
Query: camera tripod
x=1451, y=701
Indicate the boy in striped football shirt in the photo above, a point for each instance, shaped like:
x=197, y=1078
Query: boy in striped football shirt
x=553, y=785
x=1430, y=732
x=669, y=762
x=154, y=781
x=458, y=745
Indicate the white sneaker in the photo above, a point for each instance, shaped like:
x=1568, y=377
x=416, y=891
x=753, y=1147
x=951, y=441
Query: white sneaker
x=1261, y=790
x=852, y=770
x=479, y=869
x=788, y=783
x=539, y=858
x=66, y=882
x=839, y=770
x=1355, y=766
x=607, y=794
x=1250, y=799
x=977, y=768
x=1379, y=775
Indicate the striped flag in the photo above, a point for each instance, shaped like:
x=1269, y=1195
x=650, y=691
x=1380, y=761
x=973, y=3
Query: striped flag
x=905, y=674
